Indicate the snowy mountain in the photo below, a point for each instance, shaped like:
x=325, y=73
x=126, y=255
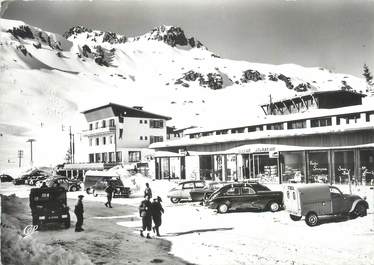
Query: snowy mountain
x=47, y=79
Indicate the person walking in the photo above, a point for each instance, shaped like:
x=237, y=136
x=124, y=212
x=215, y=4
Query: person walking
x=157, y=211
x=147, y=191
x=109, y=194
x=146, y=215
x=79, y=213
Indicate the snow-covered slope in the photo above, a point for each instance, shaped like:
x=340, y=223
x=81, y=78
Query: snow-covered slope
x=47, y=79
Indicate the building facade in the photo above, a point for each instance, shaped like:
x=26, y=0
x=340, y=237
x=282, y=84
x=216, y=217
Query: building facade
x=327, y=144
x=120, y=134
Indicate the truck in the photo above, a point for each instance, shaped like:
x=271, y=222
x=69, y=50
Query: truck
x=49, y=206
x=316, y=200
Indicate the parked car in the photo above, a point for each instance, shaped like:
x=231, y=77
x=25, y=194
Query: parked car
x=245, y=195
x=315, y=200
x=182, y=191
x=6, y=178
x=49, y=205
x=119, y=189
x=26, y=178
x=201, y=194
x=67, y=184
x=93, y=176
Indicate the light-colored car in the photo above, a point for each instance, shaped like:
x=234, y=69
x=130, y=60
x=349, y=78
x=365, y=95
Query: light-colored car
x=315, y=200
x=182, y=191
x=67, y=184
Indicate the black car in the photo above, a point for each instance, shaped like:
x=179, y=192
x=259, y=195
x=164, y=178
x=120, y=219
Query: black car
x=201, y=194
x=245, y=196
x=49, y=205
x=6, y=178
x=120, y=191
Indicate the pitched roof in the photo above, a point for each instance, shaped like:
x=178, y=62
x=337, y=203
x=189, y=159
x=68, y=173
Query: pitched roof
x=128, y=111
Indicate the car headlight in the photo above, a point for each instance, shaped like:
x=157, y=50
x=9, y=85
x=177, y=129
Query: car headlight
x=41, y=217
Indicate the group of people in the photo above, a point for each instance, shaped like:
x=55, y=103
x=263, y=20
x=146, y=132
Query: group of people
x=149, y=211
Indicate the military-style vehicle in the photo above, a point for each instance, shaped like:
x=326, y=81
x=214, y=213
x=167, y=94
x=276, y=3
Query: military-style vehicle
x=48, y=206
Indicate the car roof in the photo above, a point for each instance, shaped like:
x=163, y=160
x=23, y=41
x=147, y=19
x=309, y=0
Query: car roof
x=191, y=181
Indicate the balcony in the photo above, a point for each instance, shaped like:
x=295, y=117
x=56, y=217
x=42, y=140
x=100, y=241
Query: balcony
x=100, y=131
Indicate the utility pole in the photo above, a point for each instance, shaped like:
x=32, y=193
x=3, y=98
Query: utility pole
x=20, y=156
x=31, y=141
x=72, y=147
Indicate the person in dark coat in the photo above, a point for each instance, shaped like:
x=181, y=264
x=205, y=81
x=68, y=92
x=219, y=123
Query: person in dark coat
x=109, y=194
x=79, y=213
x=157, y=211
x=147, y=191
x=146, y=215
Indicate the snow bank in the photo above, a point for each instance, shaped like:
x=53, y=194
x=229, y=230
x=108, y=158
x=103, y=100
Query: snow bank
x=18, y=249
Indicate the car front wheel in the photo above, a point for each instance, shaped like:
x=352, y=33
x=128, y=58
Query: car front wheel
x=295, y=217
x=94, y=193
x=360, y=210
x=311, y=219
x=274, y=207
x=73, y=188
x=174, y=200
x=223, y=208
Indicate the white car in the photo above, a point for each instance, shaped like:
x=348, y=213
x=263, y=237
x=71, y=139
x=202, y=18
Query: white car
x=182, y=191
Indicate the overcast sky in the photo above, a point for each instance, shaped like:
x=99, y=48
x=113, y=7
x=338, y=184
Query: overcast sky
x=336, y=34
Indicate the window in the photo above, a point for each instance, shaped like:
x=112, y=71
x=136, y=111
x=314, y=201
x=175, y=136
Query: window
x=296, y=124
x=120, y=133
x=134, y=156
x=97, y=158
x=145, y=137
x=237, y=130
x=104, y=157
x=141, y=137
x=320, y=122
x=156, y=124
x=103, y=124
x=199, y=184
x=145, y=121
x=111, y=139
x=104, y=140
x=97, y=141
x=247, y=190
x=91, y=126
x=222, y=132
x=91, y=158
x=111, y=122
x=90, y=141
x=275, y=126
x=188, y=185
x=119, y=156
x=141, y=121
x=233, y=191
x=120, y=119
x=111, y=157
x=155, y=139
x=96, y=125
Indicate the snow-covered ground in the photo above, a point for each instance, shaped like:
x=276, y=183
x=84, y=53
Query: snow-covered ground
x=200, y=235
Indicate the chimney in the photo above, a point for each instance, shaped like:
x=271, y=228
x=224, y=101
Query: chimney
x=138, y=107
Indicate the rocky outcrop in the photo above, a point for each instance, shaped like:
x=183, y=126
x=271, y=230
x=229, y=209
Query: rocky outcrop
x=23, y=50
x=251, y=75
x=302, y=87
x=286, y=80
x=112, y=38
x=75, y=31
x=212, y=80
x=23, y=32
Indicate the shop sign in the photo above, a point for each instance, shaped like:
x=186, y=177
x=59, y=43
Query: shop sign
x=260, y=149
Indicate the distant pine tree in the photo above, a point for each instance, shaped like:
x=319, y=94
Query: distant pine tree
x=367, y=75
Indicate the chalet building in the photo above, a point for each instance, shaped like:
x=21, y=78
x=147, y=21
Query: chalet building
x=327, y=137
x=120, y=134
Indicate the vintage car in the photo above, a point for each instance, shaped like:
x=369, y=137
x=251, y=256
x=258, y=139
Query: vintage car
x=120, y=191
x=25, y=178
x=315, y=200
x=182, y=191
x=66, y=183
x=49, y=205
x=201, y=194
x=6, y=178
x=245, y=195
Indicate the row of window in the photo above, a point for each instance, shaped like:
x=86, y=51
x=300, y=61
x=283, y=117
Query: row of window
x=108, y=157
x=104, y=140
x=298, y=124
x=104, y=124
